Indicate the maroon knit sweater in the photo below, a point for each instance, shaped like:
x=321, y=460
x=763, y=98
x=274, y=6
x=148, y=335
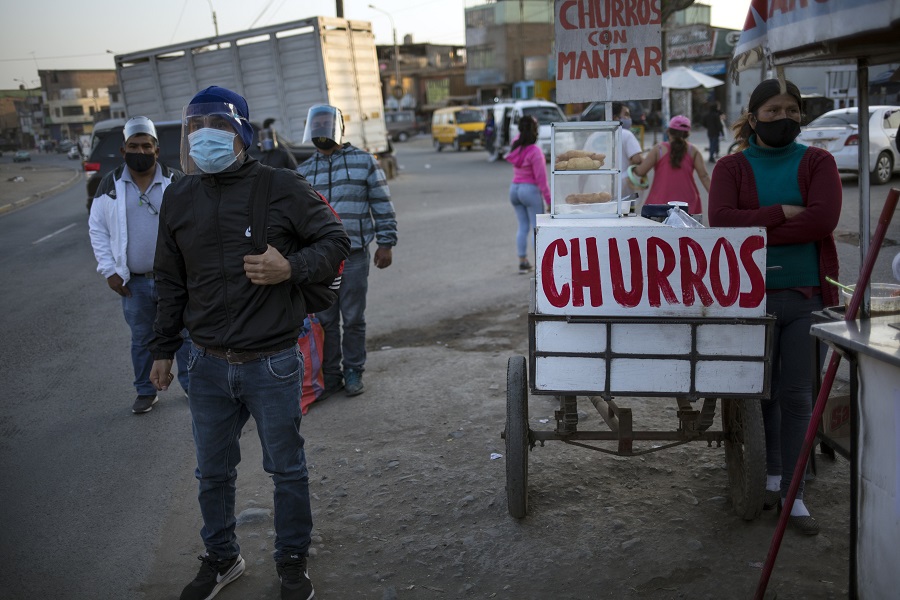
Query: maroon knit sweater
x=733, y=202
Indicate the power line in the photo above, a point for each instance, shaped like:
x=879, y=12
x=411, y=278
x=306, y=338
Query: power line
x=178, y=23
x=52, y=57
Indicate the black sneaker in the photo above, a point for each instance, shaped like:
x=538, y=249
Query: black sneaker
x=333, y=384
x=143, y=404
x=212, y=577
x=295, y=583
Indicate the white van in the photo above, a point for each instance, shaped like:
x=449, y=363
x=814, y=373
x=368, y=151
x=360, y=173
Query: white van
x=506, y=123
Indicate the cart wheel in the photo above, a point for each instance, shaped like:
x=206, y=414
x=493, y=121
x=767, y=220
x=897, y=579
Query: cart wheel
x=745, y=454
x=517, y=437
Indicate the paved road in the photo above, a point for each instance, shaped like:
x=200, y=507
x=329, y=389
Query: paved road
x=26, y=182
x=100, y=503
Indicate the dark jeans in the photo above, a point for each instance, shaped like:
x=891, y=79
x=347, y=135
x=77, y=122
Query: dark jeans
x=223, y=397
x=786, y=415
x=140, y=312
x=351, y=309
x=713, y=145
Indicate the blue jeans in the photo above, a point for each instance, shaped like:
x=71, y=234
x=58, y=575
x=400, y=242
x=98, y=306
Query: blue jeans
x=528, y=203
x=351, y=309
x=140, y=313
x=223, y=397
x=786, y=414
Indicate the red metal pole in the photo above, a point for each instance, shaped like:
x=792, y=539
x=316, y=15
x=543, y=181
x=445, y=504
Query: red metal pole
x=858, y=294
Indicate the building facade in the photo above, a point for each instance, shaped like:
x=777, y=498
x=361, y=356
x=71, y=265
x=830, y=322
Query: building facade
x=73, y=100
x=509, y=45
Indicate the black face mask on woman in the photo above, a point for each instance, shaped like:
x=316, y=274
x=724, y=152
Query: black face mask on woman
x=777, y=134
x=139, y=162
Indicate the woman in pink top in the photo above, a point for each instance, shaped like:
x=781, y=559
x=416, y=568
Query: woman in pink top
x=673, y=179
x=529, y=184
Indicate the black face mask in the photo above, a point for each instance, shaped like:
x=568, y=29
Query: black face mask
x=139, y=162
x=777, y=134
x=324, y=143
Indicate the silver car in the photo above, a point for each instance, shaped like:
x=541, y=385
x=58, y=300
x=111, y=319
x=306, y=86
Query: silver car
x=838, y=132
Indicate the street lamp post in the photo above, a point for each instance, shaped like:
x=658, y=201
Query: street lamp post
x=396, y=48
x=215, y=23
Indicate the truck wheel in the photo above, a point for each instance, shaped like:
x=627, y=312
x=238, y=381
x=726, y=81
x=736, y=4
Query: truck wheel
x=517, y=436
x=437, y=145
x=456, y=145
x=745, y=455
x=402, y=136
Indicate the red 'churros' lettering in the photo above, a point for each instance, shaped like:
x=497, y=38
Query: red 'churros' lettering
x=658, y=276
x=757, y=292
x=557, y=298
x=649, y=270
x=692, y=279
x=620, y=294
x=586, y=278
x=724, y=297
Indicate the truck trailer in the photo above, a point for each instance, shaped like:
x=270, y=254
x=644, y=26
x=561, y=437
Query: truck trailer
x=281, y=70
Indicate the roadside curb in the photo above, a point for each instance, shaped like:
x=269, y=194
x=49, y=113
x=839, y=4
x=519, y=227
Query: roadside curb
x=6, y=208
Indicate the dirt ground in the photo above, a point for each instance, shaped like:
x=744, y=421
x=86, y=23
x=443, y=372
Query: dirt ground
x=409, y=501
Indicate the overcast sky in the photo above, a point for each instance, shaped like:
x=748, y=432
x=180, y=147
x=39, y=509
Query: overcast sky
x=58, y=34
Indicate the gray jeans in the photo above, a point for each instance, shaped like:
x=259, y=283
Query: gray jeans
x=351, y=309
x=786, y=414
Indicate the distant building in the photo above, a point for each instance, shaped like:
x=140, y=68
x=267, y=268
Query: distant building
x=74, y=100
x=509, y=48
x=431, y=76
x=20, y=118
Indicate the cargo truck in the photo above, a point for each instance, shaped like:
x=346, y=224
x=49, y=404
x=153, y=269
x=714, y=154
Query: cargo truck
x=281, y=70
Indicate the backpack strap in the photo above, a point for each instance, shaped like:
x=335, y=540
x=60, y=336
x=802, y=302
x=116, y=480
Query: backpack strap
x=259, y=208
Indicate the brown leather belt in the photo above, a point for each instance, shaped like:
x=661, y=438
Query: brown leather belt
x=239, y=357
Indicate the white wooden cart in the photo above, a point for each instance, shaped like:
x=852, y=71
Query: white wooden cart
x=624, y=306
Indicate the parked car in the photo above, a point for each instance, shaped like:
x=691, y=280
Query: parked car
x=506, y=118
x=64, y=146
x=838, y=132
x=401, y=124
x=595, y=111
x=22, y=156
x=106, y=141
x=458, y=127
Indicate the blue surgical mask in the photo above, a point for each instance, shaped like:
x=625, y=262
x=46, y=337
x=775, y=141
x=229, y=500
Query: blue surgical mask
x=212, y=149
x=626, y=123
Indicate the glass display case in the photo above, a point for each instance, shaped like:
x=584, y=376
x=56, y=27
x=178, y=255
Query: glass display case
x=584, y=170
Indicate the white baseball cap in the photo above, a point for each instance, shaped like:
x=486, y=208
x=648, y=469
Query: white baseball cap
x=138, y=125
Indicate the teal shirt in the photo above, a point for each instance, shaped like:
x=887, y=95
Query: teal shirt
x=775, y=171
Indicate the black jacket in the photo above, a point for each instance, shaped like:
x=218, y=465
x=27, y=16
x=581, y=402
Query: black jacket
x=204, y=234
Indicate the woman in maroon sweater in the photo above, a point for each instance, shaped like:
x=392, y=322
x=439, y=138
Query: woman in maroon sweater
x=794, y=191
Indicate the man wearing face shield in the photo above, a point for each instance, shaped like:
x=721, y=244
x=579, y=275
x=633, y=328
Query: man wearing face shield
x=355, y=186
x=273, y=154
x=123, y=226
x=244, y=311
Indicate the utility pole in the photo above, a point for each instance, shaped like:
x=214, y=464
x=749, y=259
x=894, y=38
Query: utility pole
x=215, y=23
x=398, y=88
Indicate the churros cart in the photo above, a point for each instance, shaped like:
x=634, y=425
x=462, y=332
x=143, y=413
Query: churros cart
x=625, y=307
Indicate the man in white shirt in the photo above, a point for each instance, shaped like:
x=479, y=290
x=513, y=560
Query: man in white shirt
x=123, y=225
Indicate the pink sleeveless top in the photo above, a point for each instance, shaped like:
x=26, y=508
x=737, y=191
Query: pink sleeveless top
x=671, y=184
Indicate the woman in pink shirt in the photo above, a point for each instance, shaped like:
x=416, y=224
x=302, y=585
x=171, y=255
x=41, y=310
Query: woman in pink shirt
x=673, y=164
x=528, y=186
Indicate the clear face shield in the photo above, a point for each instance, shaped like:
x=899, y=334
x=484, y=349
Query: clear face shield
x=209, y=138
x=268, y=141
x=324, y=127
